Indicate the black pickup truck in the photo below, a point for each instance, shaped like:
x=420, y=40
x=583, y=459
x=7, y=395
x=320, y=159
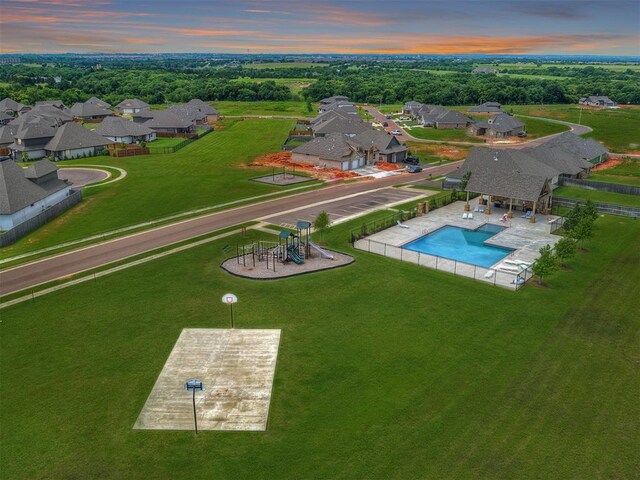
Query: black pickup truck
x=412, y=160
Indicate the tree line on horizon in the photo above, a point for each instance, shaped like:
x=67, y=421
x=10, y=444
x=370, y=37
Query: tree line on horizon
x=369, y=82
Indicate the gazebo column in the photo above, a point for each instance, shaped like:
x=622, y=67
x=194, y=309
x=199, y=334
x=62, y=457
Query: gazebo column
x=533, y=216
x=510, y=213
x=467, y=207
x=488, y=209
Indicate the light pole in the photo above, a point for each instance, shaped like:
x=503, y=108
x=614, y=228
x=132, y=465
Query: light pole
x=230, y=299
x=192, y=386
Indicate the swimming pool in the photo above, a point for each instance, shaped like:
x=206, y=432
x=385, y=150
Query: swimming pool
x=461, y=244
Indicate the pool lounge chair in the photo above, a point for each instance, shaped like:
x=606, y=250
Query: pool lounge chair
x=479, y=208
x=465, y=215
x=401, y=225
x=470, y=216
x=527, y=215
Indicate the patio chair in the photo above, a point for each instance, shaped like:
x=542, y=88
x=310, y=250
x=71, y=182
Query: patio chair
x=527, y=215
x=470, y=216
x=465, y=215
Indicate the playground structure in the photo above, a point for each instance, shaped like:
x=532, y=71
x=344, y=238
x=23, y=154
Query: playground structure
x=291, y=247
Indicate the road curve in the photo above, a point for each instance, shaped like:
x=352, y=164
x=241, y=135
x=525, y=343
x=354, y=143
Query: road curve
x=41, y=271
x=405, y=137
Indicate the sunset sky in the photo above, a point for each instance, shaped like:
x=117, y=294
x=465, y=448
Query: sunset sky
x=299, y=26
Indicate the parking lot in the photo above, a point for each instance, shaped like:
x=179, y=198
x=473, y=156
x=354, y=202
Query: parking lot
x=346, y=208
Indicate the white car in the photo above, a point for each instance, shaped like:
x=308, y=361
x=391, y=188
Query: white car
x=396, y=132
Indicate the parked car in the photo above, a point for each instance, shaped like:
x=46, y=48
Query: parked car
x=414, y=168
x=522, y=134
x=388, y=117
x=412, y=160
x=396, y=132
x=385, y=124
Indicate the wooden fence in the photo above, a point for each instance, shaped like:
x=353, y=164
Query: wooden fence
x=608, y=208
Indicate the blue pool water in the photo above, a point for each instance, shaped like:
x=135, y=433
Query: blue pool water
x=460, y=244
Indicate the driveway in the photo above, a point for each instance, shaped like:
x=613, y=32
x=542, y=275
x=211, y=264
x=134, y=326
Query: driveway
x=79, y=177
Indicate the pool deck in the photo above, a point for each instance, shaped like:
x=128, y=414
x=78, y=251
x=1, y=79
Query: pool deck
x=524, y=237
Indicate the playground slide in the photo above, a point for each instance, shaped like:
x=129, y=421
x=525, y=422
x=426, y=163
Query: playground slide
x=323, y=253
x=293, y=255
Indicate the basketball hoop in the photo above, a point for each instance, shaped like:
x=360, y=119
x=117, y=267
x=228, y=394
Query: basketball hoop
x=230, y=299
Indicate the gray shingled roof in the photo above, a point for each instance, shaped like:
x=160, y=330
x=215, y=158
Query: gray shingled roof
x=121, y=127
x=380, y=141
x=486, y=107
x=501, y=123
x=324, y=116
x=7, y=133
x=132, y=103
x=85, y=110
x=343, y=107
x=10, y=104
x=188, y=112
x=506, y=173
x=585, y=148
x=558, y=159
x=37, y=127
x=167, y=119
x=340, y=125
x=71, y=136
x=40, y=169
x=335, y=147
x=51, y=103
x=17, y=192
x=452, y=116
x=204, y=107
x=99, y=102
x=49, y=111
x=337, y=98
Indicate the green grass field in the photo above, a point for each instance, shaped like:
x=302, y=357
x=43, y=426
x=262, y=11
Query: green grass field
x=406, y=373
x=206, y=172
x=294, y=84
x=597, y=196
x=618, y=129
x=621, y=179
x=261, y=66
x=163, y=142
x=544, y=66
x=284, y=108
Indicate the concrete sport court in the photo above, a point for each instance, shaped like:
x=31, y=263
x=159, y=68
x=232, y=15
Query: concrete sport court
x=236, y=367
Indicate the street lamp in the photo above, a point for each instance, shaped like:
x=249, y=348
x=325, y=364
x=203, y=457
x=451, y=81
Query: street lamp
x=230, y=299
x=192, y=386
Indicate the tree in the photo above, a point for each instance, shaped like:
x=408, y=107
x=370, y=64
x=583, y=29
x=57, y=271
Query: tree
x=565, y=249
x=574, y=216
x=590, y=210
x=25, y=156
x=583, y=230
x=321, y=223
x=545, y=264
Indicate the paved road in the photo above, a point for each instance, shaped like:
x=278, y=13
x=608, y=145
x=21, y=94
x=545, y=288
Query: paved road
x=79, y=177
x=52, y=268
x=380, y=117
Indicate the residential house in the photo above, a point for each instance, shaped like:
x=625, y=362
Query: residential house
x=485, y=70
x=74, y=141
x=212, y=114
x=25, y=193
x=486, y=108
x=131, y=106
x=11, y=107
x=100, y=103
x=601, y=101
x=331, y=151
x=31, y=135
x=501, y=125
x=441, y=118
x=339, y=124
x=334, y=99
x=379, y=146
x=343, y=107
x=121, y=130
x=89, y=112
x=52, y=103
x=189, y=113
x=585, y=149
x=167, y=124
x=410, y=108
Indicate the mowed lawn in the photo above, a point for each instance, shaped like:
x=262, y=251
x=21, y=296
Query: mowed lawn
x=207, y=172
x=287, y=108
x=597, y=196
x=385, y=370
x=618, y=129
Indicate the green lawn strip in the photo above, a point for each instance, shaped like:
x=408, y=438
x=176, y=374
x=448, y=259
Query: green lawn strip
x=206, y=172
x=620, y=179
x=89, y=273
x=164, y=142
x=281, y=108
x=95, y=239
x=597, y=196
x=405, y=373
x=618, y=129
x=540, y=128
x=444, y=134
x=630, y=167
